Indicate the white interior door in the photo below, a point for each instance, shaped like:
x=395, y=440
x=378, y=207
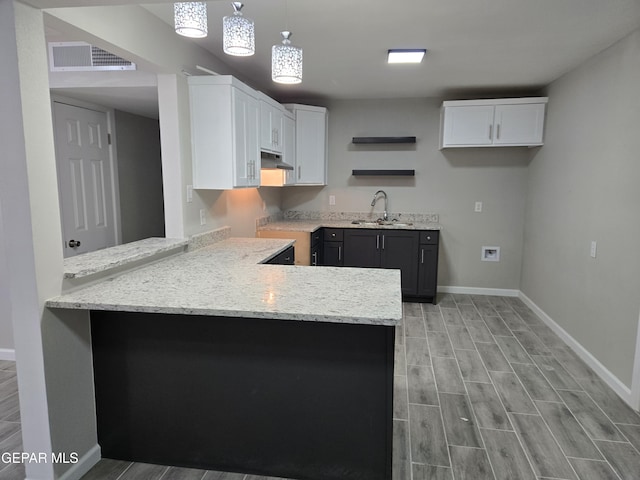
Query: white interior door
x=84, y=179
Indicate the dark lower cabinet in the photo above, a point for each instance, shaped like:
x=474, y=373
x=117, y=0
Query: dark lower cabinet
x=284, y=258
x=428, y=267
x=413, y=252
x=266, y=397
x=333, y=247
x=384, y=249
x=362, y=248
x=316, y=248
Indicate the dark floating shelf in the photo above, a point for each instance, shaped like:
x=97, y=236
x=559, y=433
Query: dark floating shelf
x=393, y=173
x=373, y=140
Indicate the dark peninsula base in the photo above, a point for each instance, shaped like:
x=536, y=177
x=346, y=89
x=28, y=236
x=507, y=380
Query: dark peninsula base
x=296, y=399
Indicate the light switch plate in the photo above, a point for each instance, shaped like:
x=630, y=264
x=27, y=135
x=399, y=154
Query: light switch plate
x=478, y=207
x=203, y=216
x=189, y=193
x=594, y=247
x=332, y=199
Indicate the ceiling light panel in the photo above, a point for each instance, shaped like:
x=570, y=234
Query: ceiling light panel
x=413, y=55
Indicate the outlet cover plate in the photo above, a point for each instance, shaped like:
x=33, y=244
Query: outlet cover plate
x=490, y=254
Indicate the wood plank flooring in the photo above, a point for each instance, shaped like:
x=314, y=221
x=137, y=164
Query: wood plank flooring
x=483, y=390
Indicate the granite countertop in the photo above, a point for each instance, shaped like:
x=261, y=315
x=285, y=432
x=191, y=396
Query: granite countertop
x=313, y=225
x=227, y=278
x=109, y=258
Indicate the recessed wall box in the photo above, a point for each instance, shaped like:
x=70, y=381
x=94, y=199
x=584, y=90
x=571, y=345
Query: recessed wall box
x=490, y=254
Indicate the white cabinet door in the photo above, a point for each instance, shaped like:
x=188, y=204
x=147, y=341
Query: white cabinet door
x=245, y=134
x=271, y=127
x=289, y=149
x=225, y=121
x=519, y=124
x=311, y=138
x=493, y=122
x=468, y=125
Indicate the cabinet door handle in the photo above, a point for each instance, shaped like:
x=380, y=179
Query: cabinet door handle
x=377, y=242
x=314, y=262
x=498, y=131
x=383, y=242
x=490, y=132
x=422, y=255
x=299, y=167
x=339, y=253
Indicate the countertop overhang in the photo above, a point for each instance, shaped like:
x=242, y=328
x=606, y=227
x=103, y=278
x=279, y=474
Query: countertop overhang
x=228, y=279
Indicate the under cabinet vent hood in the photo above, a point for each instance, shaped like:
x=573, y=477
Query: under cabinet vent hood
x=273, y=161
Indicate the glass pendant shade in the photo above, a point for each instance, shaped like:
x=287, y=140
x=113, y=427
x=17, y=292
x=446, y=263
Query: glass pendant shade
x=190, y=19
x=238, y=33
x=286, y=61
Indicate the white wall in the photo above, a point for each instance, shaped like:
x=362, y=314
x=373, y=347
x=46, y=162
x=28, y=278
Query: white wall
x=584, y=186
x=139, y=176
x=447, y=182
x=50, y=395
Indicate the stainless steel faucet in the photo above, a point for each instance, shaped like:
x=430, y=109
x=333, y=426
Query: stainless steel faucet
x=385, y=216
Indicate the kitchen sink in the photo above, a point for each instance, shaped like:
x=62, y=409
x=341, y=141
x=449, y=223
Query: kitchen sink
x=382, y=223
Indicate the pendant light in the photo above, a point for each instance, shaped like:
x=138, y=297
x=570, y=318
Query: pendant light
x=286, y=61
x=190, y=19
x=238, y=33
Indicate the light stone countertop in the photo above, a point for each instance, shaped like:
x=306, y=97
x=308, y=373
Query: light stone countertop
x=313, y=225
x=228, y=279
x=110, y=258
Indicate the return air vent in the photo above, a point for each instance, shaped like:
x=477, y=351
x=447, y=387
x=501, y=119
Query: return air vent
x=82, y=57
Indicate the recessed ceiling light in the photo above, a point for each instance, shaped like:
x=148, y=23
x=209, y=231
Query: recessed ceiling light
x=412, y=55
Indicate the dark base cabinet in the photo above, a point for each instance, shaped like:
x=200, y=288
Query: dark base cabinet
x=284, y=258
x=384, y=249
x=414, y=253
x=333, y=246
x=293, y=399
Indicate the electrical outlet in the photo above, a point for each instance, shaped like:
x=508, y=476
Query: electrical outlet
x=478, y=207
x=332, y=199
x=203, y=216
x=490, y=254
x=189, y=193
x=594, y=246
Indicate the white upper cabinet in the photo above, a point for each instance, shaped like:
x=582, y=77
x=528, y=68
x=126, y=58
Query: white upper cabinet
x=289, y=150
x=271, y=125
x=493, y=122
x=311, y=144
x=225, y=120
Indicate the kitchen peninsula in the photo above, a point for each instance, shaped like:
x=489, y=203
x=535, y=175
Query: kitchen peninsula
x=214, y=359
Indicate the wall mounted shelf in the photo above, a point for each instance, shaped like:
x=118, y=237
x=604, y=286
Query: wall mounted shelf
x=374, y=140
x=381, y=173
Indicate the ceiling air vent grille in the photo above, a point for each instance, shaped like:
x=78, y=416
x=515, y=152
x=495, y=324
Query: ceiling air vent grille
x=82, y=57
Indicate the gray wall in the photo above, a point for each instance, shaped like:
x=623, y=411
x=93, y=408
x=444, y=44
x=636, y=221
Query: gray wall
x=139, y=176
x=583, y=186
x=447, y=182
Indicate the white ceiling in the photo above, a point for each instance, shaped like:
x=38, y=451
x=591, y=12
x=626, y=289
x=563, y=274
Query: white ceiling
x=476, y=47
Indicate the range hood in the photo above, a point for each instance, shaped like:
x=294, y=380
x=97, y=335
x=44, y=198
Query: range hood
x=273, y=161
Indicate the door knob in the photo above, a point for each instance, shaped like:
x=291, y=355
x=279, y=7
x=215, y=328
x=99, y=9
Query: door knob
x=74, y=243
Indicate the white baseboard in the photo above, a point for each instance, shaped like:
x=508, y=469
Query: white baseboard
x=8, y=354
x=503, y=292
x=85, y=463
x=609, y=378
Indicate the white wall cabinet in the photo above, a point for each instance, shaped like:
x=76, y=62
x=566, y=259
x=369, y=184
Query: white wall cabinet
x=225, y=120
x=310, y=144
x=275, y=177
x=493, y=122
x=271, y=125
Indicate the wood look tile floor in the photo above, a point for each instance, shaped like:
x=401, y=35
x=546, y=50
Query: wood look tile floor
x=483, y=389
